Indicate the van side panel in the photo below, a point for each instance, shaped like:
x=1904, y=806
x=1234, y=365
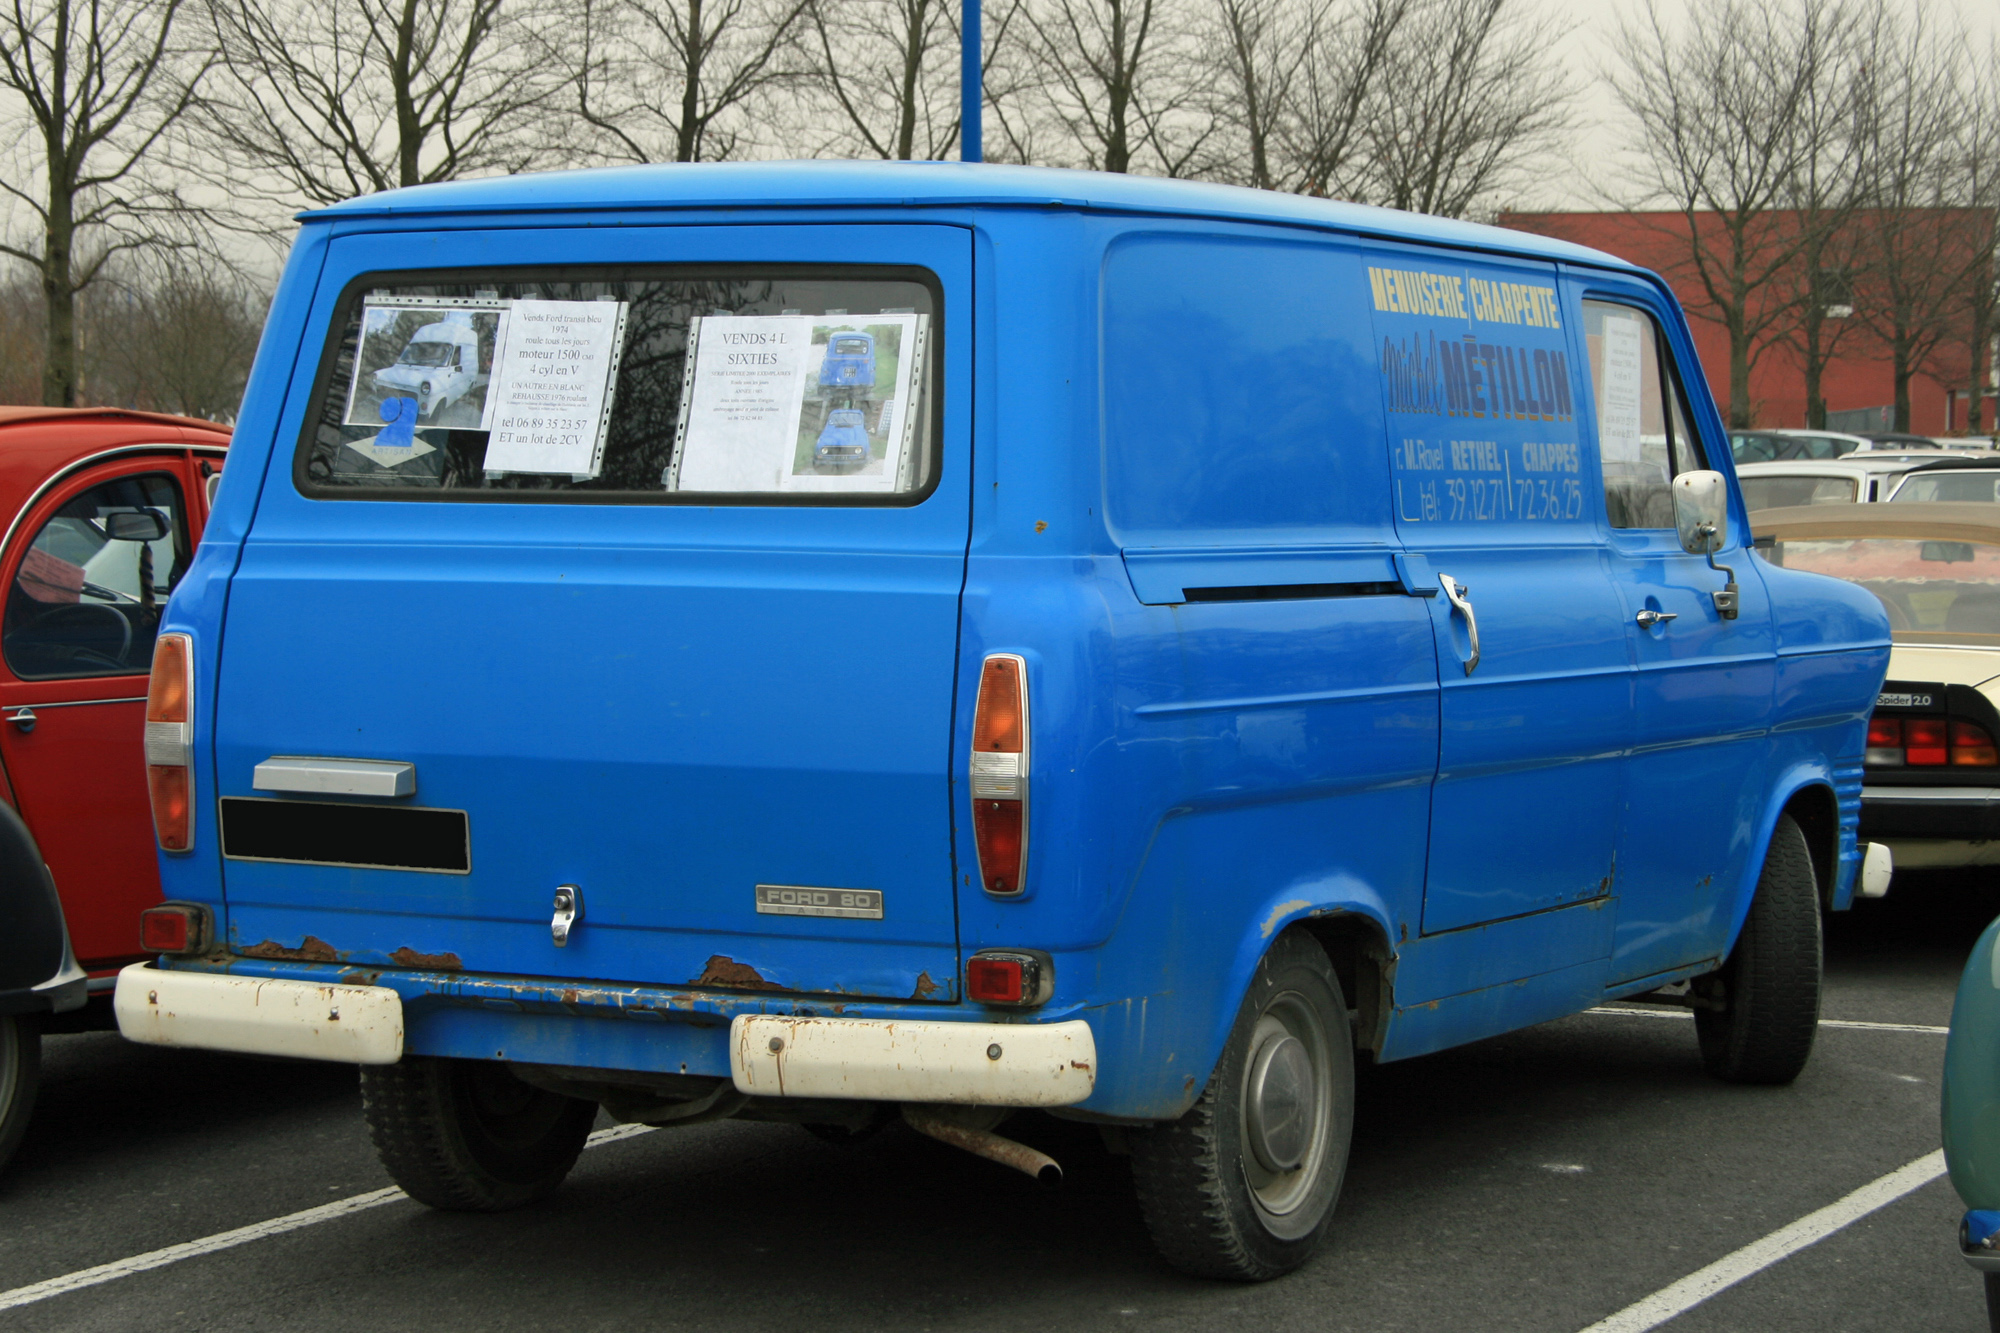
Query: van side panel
x=1209, y=764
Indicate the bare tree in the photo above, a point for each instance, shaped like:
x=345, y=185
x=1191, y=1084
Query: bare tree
x=1831, y=181
x=1465, y=97
x=173, y=332
x=1116, y=78
x=1716, y=107
x=101, y=83
x=670, y=79
x=1323, y=136
x=1262, y=51
x=1979, y=167
x=887, y=69
x=1921, y=237
x=322, y=102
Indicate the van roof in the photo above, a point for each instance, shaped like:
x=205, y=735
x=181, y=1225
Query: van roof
x=823, y=184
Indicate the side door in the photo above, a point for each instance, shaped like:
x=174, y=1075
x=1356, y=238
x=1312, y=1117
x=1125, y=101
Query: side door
x=87, y=575
x=1701, y=684
x=1495, y=492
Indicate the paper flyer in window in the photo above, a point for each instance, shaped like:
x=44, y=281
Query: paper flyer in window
x=801, y=403
x=553, y=375
x=422, y=363
x=1618, y=419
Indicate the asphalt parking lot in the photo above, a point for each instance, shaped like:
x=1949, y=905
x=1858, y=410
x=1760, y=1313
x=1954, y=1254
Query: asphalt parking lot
x=1543, y=1181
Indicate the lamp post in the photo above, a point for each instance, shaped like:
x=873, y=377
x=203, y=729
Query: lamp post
x=972, y=86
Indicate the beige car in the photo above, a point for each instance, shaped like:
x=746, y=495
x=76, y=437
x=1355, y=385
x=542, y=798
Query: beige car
x=1931, y=775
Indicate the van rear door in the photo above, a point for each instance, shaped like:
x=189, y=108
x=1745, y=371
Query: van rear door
x=680, y=666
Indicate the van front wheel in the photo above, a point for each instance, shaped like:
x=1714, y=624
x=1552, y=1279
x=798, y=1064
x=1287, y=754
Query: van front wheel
x=1242, y=1185
x=467, y=1136
x=1763, y=1006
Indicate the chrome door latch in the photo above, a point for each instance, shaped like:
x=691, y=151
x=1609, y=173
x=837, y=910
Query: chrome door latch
x=1649, y=618
x=569, y=911
x=24, y=718
x=1460, y=598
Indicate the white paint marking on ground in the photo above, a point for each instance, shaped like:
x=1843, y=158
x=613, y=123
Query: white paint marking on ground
x=1824, y=1022
x=225, y=1240
x=1753, y=1258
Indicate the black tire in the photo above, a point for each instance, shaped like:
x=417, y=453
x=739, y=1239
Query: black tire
x=1219, y=1205
x=1769, y=988
x=1992, y=1301
x=20, y=1079
x=467, y=1136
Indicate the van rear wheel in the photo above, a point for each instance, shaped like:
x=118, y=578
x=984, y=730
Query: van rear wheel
x=1769, y=989
x=20, y=1079
x=467, y=1136
x=1242, y=1185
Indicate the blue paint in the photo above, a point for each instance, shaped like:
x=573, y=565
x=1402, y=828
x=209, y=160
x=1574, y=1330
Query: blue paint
x=400, y=418
x=1193, y=469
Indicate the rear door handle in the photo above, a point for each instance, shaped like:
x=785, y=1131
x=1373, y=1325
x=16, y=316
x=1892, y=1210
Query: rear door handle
x=1460, y=598
x=1649, y=618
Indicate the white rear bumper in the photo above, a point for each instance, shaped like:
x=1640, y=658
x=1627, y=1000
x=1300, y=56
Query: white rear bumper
x=258, y=1016
x=981, y=1064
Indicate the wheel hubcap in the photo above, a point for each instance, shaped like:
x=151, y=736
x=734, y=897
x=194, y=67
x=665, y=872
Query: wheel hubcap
x=1283, y=1097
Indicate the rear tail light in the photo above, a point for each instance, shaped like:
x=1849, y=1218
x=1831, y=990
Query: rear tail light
x=1972, y=746
x=1009, y=976
x=999, y=773
x=174, y=928
x=1885, y=741
x=169, y=742
x=1924, y=741
x=1929, y=742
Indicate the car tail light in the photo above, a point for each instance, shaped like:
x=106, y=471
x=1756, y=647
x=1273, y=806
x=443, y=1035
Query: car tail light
x=1972, y=746
x=174, y=928
x=1009, y=976
x=1885, y=741
x=1924, y=741
x=999, y=772
x=169, y=742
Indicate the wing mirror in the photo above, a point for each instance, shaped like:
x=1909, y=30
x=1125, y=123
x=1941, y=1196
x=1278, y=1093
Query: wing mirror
x=1701, y=515
x=135, y=525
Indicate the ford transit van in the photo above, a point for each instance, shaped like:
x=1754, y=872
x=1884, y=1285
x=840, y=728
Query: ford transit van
x=1140, y=736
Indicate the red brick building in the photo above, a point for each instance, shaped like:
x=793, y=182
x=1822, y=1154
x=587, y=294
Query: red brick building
x=1859, y=383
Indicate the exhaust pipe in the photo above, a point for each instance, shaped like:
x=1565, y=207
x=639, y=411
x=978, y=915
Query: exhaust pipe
x=985, y=1143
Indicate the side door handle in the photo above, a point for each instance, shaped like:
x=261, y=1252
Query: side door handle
x=1649, y=618
x=1460, y=598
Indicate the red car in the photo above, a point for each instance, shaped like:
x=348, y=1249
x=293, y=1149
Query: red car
x=103, y=509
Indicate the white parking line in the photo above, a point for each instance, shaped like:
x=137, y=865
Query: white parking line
x=1727, y=1271
x=224, y=1240
x=1824, y=1022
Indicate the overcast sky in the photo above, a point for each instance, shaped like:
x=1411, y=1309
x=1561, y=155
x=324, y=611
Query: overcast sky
x=1585, y=45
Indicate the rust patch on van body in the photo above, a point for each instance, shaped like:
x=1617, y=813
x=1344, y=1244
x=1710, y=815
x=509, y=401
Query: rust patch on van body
x=925, y=987
x=434, y=962
x=312, y=949
x=723, y=971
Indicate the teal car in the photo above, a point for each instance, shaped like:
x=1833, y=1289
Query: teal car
x=1971, y=1112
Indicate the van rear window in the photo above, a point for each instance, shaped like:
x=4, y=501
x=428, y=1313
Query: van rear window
x=712, y=386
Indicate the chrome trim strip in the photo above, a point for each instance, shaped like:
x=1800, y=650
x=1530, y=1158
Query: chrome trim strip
x=1964, y=795
x=79, y=703
x=319, y=776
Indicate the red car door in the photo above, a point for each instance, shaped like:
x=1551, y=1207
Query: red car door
x=86, y=575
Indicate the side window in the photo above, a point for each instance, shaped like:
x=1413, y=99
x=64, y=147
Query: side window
x=1642, y=428
x=87, y=598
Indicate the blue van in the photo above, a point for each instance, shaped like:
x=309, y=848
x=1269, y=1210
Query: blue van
x=1146, y=743
x=843, y=444
x=849, y=363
